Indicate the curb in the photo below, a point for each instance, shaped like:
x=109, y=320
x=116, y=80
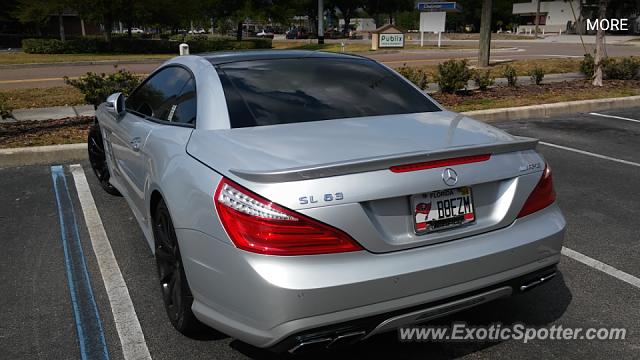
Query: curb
x=40, y=155
x=555, y=109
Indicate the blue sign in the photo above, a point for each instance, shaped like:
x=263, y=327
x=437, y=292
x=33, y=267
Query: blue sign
x=439, y=6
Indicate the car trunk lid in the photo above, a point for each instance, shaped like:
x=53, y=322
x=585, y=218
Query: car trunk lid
x=339, y=171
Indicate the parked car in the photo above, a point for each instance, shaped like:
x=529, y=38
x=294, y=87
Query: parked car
x=136, y=30
x=265, y=34
x=297, y=33
x=297, y=200
x=198, y=31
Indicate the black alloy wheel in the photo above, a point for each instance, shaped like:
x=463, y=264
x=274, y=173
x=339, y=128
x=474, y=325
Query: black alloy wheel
x=176, y=294
x=98, y=159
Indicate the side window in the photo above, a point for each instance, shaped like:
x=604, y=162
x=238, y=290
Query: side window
x=161, y=95
x=184, y=110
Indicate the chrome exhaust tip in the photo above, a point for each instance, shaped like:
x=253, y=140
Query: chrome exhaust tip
x=310, y=345
x=346, y=339
x=327, y=342
x=536, y=282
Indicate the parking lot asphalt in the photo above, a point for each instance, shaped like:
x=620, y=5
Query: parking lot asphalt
x=599, y=197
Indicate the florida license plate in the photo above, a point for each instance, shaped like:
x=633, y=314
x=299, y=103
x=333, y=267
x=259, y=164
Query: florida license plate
x=442, y=209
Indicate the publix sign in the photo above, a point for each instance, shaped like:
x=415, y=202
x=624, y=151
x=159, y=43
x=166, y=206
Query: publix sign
x=391, y=40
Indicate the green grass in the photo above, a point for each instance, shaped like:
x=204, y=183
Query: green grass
x=13, y=58
x=42, y=97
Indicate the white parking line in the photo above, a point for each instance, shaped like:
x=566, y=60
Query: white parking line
x=124, y=314
x=626, y=162
x=599, y=265
x=614, y=117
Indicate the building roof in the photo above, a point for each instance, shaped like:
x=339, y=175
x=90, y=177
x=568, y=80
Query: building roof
x=387, y=27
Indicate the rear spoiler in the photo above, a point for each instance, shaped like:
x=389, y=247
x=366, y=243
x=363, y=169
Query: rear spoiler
x=381, y=163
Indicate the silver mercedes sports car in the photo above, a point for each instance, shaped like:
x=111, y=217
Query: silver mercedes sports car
x=300, y=200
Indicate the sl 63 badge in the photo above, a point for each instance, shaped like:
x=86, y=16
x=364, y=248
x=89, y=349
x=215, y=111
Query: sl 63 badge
x=311, y=199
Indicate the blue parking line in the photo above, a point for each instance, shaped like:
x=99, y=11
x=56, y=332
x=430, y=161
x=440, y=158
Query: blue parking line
x=85, y=310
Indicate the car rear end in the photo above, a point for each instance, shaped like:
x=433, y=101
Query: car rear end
x=327, y=232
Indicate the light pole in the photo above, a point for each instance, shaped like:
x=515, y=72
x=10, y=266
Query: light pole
x=320, y=22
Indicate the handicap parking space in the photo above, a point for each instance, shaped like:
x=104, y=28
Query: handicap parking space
x=37, y=317
x=598, y=197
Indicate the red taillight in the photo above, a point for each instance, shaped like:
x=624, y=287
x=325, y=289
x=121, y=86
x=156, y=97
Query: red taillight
x=440, y=163
x=542, y=195
x=256, y=224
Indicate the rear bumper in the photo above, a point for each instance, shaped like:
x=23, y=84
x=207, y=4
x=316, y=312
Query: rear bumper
x=268, y=300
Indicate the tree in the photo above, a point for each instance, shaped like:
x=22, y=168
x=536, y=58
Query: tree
x=389, y=7
x=102, y=11
x=32, y=12
x=600, y=56
x=485, y=33
x=348, y=10
x=37, y=13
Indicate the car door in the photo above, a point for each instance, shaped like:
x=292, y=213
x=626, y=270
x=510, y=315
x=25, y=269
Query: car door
x=151, y=106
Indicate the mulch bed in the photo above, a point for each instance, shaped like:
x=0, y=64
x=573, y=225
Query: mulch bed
x=558, y=90
x=47, y=132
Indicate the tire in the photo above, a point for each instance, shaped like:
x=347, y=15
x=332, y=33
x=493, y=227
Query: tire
x=98, y=159
x=176, y=294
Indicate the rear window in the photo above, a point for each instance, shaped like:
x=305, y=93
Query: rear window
x=281, y=91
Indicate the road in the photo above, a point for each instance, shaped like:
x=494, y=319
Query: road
x=598, y=192
x=51, y=75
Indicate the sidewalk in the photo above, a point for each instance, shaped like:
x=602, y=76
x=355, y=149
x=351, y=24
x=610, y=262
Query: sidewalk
x=51, y=113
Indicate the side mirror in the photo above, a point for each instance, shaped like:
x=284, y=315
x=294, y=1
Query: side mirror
x=115, y=103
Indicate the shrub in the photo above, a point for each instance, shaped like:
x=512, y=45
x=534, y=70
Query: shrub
x=5, y=108
x=10, y=40
x=97, y=87
x=621, y=69
x=453, y=75
x=537, y=74
x=415, y=75
x=188, y=37
x=138, y=45
x=587, y=66
x=483, y=79
x=511, y=74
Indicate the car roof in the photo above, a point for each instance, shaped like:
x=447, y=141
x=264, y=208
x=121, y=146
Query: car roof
x=229, y=57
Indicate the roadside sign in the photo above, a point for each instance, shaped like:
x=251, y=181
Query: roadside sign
x=432, y=22
x=439, y=6
x=391, y=40
x=387, y=36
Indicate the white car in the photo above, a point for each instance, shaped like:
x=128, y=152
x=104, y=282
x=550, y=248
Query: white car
x=265, y=34
x=198, y=31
